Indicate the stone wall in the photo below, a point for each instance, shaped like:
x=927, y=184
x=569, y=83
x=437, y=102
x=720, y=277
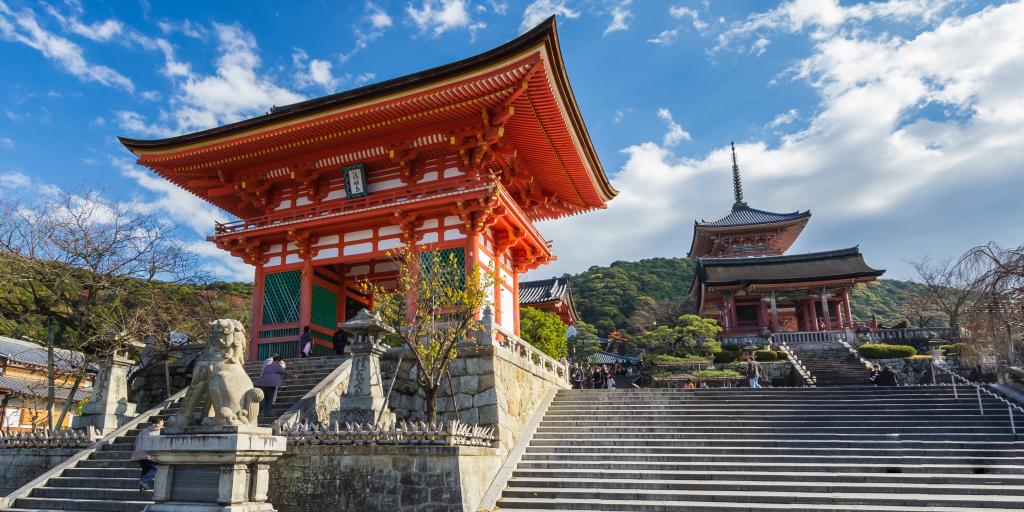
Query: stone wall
x=21, y=465
x=382, y=478
x=490, y=387
x=911, y=371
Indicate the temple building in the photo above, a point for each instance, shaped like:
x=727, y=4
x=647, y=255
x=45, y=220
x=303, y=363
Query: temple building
x=465, y=157
x=745, y=280
x=553, y=295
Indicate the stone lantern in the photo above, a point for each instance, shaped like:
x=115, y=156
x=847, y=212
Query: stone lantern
x=364, y=402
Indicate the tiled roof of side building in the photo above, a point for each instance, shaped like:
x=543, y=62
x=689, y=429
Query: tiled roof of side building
x=37, y=388
x=544, y=290
x=743, y=215
x=27, y=352
x=838, y=264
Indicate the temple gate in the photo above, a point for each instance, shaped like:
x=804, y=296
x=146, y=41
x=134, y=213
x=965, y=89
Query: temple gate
x=464, y=157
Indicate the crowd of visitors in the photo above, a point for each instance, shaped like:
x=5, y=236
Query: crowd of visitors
x=599, y=376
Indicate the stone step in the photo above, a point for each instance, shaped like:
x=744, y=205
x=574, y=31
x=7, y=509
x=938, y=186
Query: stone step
x=643, y=451
x=706, y=412
x=638, y=497
x=523, y=505
x=766, y=442
x=855, y=435
x=835, y=466
x=770, y=459
x=92, y=493
x=895, y=479
x=80, y=504
x=120, y=472
x=780, y=420
x=105, y=483
x=744, y=485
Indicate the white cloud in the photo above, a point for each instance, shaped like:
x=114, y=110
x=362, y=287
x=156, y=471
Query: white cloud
x=895, y=177
x=14, y=180
x=784, y=118
x=665, y=38
x=317, y=72
x=237, y=90
x=220, y=262
x=620, y=114
x=440, y=16
x=540, y=10
x=176, y=203
x=150, y=95
x=499, y=8
x=620, y=17
x=6, y=143
x=23, y=27
x=675, y=133
x=379, y=19
x=825, y=17
x=679, y=12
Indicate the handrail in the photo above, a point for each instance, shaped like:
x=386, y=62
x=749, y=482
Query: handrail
x=855, y=352
x=805, y=374
x=978, y=389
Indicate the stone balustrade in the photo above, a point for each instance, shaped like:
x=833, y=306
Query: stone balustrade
x=45, y=439
x=449, y=433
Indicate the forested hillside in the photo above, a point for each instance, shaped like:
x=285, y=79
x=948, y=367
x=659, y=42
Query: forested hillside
x=606, y=297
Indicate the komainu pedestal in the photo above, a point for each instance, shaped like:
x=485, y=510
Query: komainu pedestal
x=214, y=468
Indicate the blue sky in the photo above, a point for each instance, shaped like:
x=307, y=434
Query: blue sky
x=899, y=123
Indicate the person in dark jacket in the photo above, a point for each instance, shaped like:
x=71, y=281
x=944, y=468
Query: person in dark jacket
x=876, y=372
x=577, y=376
x=269, y=381
x=888, y=377
x=340, y=342
x=306, y=342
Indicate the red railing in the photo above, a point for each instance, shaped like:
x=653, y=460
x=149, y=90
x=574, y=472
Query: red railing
x=382, y=199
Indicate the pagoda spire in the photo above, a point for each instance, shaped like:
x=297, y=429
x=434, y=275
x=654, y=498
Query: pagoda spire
x=737, y=185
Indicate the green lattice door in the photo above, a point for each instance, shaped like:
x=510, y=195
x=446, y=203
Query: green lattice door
x=281, y=298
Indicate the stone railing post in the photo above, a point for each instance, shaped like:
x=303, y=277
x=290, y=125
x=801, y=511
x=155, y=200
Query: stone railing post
x=485, y=337
x=109, y=407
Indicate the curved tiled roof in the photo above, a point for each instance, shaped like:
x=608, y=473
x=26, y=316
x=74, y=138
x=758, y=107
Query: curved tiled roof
x=26, y=352
x=743, y=215
x=544, y=290
x=838, y=264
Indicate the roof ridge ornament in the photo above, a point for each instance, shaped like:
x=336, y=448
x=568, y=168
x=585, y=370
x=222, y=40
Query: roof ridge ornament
x=737, y=185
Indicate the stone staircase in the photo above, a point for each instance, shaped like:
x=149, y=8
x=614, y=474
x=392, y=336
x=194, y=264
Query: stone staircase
x=106, y=481
x=795, y=449
x=831, y=363
x=311, y=370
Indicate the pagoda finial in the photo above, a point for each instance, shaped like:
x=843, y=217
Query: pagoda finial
x=737, y=186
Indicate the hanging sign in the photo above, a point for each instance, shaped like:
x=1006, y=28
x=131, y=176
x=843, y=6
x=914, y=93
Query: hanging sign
x=355, y=180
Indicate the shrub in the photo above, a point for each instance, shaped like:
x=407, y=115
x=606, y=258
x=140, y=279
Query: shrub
x=717, y=373
x=670, y=359
x=884, y=351
x=781, y=356
x=726, y=357
x=764, y=355
x=731, y=347
x=953, y=348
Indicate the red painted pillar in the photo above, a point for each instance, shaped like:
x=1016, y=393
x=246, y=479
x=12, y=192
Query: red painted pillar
x=825, y=312
x=305, y=294
x=849, y=310
x=515, y=300
x=257, y=313
x=814, y=315
x=472, y=246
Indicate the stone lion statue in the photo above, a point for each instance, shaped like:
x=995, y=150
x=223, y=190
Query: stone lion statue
x=219, y=380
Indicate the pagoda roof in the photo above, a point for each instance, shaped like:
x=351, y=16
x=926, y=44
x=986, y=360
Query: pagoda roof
x=523, y=80
x=818, y=266
x=743, y=215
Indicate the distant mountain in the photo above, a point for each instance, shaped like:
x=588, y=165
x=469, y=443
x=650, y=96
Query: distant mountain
x=607, y=296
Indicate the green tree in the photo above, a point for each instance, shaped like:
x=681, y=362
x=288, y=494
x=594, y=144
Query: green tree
x=585, y=342
x=544, y=330
x=432, y=308
x=692, y=335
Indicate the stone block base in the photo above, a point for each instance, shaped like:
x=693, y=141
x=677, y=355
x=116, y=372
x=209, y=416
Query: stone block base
x=208, y=469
